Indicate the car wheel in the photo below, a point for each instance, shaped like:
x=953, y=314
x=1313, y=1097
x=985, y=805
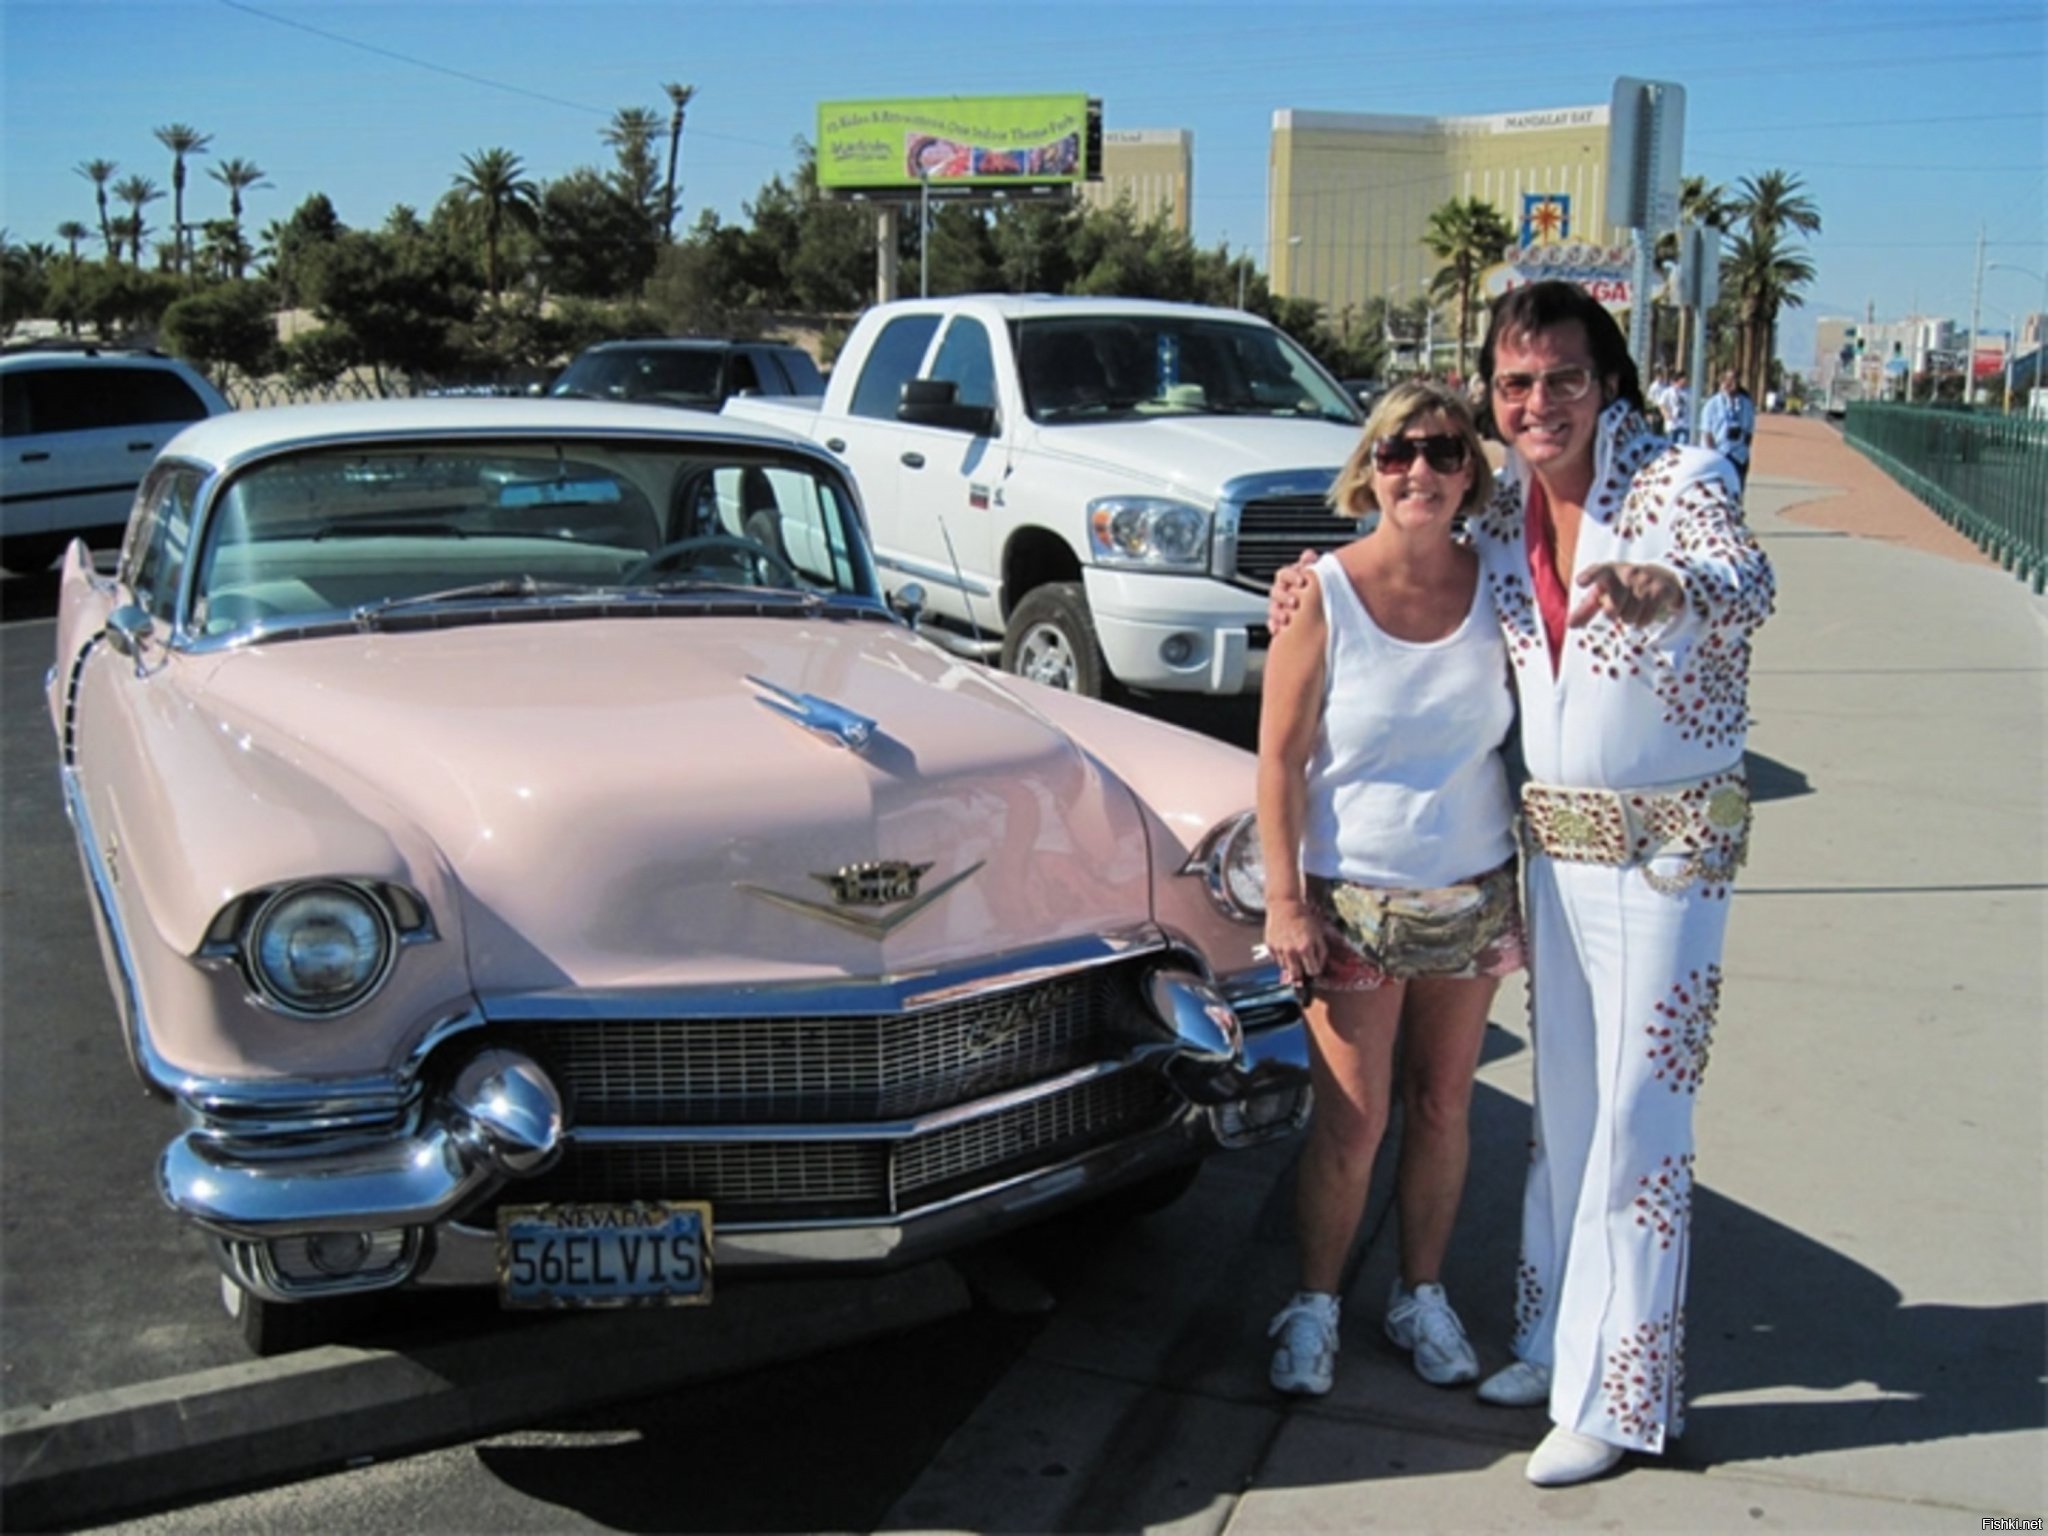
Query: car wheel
x=1051, y=640
x=278, y=1328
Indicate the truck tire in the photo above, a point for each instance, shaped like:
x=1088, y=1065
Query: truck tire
x=1051, y=640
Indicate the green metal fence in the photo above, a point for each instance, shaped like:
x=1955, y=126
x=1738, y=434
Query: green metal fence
x=1986, y=475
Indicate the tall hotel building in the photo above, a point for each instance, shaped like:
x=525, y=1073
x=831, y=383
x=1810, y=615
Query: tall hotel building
x=1350, y=194
x=1152, y=167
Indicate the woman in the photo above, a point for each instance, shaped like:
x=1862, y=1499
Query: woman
x=1385, y=824
x=1634, y=711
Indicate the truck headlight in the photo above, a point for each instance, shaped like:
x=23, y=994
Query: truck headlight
x=1233, y=868
x=1148, y=531
x=319, y=949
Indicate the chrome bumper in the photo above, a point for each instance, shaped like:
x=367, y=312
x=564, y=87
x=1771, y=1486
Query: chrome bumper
x=501, y=1120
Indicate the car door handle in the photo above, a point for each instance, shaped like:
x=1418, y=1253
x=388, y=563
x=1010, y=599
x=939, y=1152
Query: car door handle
x=35, y=458
x=912, y=459
x=836, y=444
x=142, y=447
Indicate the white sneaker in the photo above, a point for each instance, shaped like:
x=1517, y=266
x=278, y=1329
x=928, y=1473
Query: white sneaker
x=1521, y=1384
x=1566, y=1457
x=1422, y=1322
x=1305, y=1359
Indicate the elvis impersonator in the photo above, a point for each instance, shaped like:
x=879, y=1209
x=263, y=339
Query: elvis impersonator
x=1627, y=587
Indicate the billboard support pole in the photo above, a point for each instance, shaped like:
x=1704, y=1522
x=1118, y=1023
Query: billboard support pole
x=924, y=234
x=888, y=221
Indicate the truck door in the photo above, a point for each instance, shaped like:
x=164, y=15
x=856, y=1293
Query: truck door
x=949, y=478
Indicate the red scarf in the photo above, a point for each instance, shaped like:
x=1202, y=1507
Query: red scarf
x=1543, y=573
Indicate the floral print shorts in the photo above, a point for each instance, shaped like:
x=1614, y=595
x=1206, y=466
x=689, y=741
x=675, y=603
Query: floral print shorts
x=1377, y=934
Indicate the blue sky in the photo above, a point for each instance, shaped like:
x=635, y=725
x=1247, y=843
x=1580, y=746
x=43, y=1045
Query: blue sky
x=1914, y=124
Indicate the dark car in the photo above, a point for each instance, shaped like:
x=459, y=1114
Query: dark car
x=693, y=371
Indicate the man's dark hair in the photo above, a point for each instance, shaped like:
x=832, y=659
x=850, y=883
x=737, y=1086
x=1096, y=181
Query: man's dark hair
x=1538, y=307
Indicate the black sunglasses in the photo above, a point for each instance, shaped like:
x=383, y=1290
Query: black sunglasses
x=1445, y=452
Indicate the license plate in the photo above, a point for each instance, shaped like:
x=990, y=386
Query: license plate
x=645, y=1254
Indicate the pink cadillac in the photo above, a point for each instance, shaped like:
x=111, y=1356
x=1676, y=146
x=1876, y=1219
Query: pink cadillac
x=530, y=853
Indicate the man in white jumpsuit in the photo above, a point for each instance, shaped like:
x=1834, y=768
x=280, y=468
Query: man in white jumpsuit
x=1627, y=586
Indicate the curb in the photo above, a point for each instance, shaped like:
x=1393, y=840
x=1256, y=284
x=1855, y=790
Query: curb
x=321, y=1410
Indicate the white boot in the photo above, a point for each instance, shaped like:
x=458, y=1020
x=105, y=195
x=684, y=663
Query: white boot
x=1567, y=1457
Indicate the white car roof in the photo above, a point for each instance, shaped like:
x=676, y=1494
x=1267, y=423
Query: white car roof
x=1047, y=306
x=222, y=440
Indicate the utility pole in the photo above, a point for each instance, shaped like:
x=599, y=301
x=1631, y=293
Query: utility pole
x=1976, y=304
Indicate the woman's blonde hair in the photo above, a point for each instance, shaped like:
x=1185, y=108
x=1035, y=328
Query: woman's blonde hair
x=1351, y=493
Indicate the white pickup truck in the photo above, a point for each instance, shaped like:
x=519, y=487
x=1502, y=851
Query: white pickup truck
x=1097, y=491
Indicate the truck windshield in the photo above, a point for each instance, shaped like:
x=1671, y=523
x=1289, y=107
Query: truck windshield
x=1094, y=367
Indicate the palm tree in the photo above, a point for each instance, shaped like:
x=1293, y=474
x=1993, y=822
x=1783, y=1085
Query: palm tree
x=679, y=98
x=495, y=181
x=1763, y=277
x=1768, y=206
x=238, y=176
x=1698, y=203
x=71, y=232
x=99, y=173
x=1468, y=235
x=181, y=140
x=138, y=192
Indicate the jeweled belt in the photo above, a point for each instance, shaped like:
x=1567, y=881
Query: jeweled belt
x=1706, y=820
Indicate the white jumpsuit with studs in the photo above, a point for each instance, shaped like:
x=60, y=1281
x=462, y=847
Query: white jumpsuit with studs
x=1624, y=959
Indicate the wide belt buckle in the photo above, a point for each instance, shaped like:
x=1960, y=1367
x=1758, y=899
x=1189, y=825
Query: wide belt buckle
x=1579, y=826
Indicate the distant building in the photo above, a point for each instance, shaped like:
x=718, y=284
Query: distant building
x=1350, y=194
x=1154, y=168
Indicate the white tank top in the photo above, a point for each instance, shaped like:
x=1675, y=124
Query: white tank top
x=1406, y=785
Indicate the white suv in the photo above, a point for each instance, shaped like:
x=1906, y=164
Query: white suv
x=77, y=430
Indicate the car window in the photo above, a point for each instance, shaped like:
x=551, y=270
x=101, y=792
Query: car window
x=91, y=399
x=743, y=378
x=891, y=364
x=666, y=375
x=804, y=378
x=154, y=559
x=967, y=361
x=1075, y=367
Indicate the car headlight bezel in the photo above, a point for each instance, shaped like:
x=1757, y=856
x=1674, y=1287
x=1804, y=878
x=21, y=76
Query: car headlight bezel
x=1232, y=868
x=287, y=927
x=1149, y=533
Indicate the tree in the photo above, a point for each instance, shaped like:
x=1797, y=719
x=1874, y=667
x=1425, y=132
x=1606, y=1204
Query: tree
x=594, y=243
x=138, y=192
x=493, y=182
x=238, y=176
x=291, y=246
x=1468, y=235
x=228, y=325
x=679, y=98
x=99, y=173
x=71, y=232
x=181, y=140
x=631, y=134
x=395, y=304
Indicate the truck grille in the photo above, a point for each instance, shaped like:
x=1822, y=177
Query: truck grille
x=1273, y=530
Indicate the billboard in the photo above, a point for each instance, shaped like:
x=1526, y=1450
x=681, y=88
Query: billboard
x=942, y=142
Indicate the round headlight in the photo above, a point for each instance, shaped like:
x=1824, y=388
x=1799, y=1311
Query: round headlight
x=1233, y=867
x=319, y=949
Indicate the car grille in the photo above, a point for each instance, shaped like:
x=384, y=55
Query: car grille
x=1273, y=530
x=718, y=1071
x=850, y=1179
x=825, y=1071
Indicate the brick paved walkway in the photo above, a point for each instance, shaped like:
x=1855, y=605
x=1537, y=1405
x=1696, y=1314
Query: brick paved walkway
x=1874, y=506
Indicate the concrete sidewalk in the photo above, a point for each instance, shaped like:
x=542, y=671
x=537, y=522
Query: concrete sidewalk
x=1867, y=1323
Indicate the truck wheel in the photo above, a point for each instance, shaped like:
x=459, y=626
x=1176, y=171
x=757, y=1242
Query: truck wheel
x=1051, y=640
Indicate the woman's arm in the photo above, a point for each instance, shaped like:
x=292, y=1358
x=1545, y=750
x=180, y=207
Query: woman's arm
x=1290, y=717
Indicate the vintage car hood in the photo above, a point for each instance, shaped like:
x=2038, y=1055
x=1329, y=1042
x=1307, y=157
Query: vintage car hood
x=620, y=808
x=1197, y=454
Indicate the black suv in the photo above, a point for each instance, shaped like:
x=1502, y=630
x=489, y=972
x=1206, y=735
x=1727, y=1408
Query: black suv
x=689, y=371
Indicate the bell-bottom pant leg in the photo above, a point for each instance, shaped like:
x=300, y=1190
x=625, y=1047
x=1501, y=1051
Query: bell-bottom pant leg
x=1624, y=984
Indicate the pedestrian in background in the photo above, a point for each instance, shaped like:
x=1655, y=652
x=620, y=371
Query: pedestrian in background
x=1385, y=821
x=1728, y=426
x=1677, y=409
x=1634, y=714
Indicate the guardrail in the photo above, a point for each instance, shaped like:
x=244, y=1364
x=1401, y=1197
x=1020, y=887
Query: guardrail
x=1985, y=475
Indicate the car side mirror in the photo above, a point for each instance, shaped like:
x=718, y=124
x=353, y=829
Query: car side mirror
x=907, y=602
x=128, y=627
x=936, y=403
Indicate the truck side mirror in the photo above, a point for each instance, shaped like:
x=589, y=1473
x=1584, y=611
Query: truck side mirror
x=936, y=403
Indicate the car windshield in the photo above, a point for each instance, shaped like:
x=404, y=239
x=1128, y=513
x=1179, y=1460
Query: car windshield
x=365, y=533
x=661, y=375
x=1096, y=367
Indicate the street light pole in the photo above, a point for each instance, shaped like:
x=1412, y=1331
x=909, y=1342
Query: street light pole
x=2041, y=337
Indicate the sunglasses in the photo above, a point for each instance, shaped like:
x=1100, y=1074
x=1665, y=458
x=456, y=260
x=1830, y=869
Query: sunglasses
x=1560, y=384
x=1445, y=452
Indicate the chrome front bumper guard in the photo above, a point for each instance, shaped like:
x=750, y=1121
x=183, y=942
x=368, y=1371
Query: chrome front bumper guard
x=501, y=1120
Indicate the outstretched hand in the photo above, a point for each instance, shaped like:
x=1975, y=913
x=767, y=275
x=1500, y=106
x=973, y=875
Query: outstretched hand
x=1628, y=594
x=1289, y=582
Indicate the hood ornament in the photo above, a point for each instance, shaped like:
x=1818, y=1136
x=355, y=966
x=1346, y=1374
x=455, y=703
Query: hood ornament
x=890, y=883
x=837, y=724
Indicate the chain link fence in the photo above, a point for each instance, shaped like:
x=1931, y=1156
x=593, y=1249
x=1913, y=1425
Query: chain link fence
x=1985, y=475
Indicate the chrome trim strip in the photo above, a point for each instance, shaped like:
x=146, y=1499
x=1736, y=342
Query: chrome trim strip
x=936, y=575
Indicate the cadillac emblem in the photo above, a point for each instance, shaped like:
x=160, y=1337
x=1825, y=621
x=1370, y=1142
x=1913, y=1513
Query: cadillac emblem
x=893, y=886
